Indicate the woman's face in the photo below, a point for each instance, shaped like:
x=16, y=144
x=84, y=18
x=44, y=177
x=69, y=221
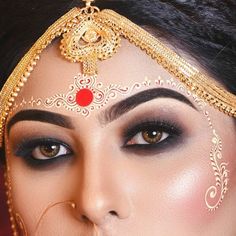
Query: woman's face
x=142, y=164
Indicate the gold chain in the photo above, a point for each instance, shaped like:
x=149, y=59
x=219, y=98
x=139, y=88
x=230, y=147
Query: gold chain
x=101, y=32
x=88, y=2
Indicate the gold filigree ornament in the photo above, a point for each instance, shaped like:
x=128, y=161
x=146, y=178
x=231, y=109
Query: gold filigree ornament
x=84, y=96
x=216, y=193
x=86, y=40
x=89, y=35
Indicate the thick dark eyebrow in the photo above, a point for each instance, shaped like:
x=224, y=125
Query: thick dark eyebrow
x=130, y=103
x=40, y=116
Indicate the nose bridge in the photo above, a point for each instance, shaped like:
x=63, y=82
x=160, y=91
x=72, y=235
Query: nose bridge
x=98, y=173
x=101, y=191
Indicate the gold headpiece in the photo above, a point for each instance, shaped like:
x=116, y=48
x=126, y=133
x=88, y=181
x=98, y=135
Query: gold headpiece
x=89, y=35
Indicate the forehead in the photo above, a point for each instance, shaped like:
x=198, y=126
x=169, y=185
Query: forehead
x=128, y=68
x=53, y=73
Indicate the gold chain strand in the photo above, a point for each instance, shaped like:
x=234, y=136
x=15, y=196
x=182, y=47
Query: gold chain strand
x=88, y=2
x=203, y=86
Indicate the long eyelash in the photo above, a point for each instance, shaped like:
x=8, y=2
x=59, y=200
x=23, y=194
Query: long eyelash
x=174, y=130
x=25, y=148
x=162, y=125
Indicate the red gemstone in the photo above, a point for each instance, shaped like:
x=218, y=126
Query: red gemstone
x=84, y=97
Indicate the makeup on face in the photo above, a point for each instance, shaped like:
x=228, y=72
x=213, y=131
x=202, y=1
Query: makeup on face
x=143, y=149
x=145, y=136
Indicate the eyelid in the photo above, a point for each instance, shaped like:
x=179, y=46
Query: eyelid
x=138, y=137
x=25, y=148
x=27, y=145
x=37, y=152
x=177, y=136
x=163, y=125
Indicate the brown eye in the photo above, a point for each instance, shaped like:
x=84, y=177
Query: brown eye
x=148, y=137
x=49, y=151
x=152, y=136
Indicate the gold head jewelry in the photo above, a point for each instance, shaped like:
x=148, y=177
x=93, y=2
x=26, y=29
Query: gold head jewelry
x=87, y=39
x=89, y=35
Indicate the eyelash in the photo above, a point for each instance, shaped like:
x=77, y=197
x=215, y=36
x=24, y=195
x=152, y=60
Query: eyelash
x=27, y=146
x=173, y=130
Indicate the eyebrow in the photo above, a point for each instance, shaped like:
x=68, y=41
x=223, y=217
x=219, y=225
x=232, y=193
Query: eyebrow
x=110, y=114
x=40, y=116
x=124, y=106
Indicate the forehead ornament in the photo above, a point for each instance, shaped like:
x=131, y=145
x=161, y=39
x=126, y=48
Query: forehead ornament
x=87, y=40
x=89, y=35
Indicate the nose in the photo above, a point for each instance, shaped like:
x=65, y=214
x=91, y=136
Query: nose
x=102, y=193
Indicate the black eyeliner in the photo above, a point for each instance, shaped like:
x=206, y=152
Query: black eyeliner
x=174, y=130
x=25, y=148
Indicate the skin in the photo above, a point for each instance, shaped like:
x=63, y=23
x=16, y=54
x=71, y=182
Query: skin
x=120, y=191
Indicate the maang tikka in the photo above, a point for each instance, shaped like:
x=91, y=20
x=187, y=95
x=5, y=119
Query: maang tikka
x=88, y=39
x=90, y=34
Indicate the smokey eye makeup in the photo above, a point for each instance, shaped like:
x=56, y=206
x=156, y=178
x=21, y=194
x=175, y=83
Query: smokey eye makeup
x=143, y=137
x=40, y=152
x=152, y=136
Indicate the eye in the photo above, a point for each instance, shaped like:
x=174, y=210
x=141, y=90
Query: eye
x=148, y=136
x=152, y=135
x=43, y=150
x=49, y=151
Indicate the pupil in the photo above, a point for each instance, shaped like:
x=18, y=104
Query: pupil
x=152, y=134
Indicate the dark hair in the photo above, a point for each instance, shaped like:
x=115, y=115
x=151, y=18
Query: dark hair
x=205, y=29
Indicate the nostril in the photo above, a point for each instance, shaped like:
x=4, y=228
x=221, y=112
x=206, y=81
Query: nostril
x=113, y=213
x=84, y=218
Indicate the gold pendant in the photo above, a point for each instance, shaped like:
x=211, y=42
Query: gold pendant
x=87, y=40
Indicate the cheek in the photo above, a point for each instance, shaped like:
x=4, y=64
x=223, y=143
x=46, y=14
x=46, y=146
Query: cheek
x=185, y=194
x=174, y=191
x=228, y=152
x=33, y=192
